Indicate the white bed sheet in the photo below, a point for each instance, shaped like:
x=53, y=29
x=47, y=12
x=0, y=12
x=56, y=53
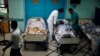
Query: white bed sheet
x=59, y=35
x=36, y=26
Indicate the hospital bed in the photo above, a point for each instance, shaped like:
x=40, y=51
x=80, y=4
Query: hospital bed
x=36, y=32
x=68, y=39
x=68, y=35
x=93, y=34
x=88, y=33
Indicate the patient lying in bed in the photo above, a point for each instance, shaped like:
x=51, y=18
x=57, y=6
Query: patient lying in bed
x=36, y=26
x=63, y=30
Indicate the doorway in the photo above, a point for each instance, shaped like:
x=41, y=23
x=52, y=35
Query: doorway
x=42, y=8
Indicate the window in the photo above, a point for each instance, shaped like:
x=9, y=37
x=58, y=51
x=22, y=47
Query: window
x=3, y=9
x=2, y=3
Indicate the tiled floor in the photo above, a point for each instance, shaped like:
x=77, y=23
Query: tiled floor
x=35, y=53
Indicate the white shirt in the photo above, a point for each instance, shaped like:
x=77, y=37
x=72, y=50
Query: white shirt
x=15, y=38
x=53, y=16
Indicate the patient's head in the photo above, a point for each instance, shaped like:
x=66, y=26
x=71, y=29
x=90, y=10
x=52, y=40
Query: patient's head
x=61, y=22
x=38, y=19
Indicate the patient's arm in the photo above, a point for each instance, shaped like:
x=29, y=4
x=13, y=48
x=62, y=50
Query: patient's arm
x=72, y=34
x=55, y=30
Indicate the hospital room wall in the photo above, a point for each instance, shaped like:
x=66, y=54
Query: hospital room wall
x=16, y=12
x=86, y=9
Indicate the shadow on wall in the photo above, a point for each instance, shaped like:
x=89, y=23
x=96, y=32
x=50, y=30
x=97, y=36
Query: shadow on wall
x=75, y=6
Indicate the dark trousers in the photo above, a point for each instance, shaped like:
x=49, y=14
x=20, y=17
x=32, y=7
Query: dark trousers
x=77, y=29
x=15, y=52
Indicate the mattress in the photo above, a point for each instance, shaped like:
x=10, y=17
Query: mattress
x=70, y=40
x=36, y=37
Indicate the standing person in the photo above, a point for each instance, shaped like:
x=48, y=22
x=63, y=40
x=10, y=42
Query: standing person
x=52, y=21
x=75, y=20
x=15, y=40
